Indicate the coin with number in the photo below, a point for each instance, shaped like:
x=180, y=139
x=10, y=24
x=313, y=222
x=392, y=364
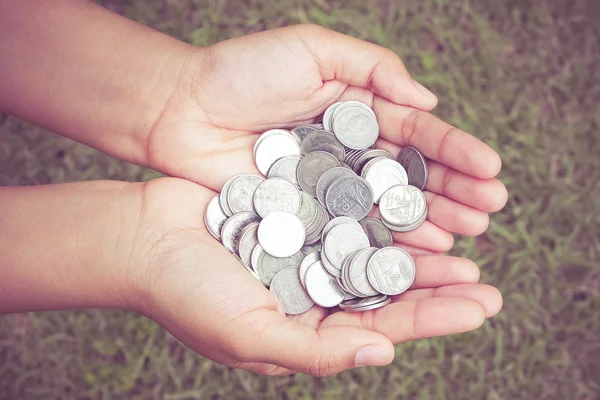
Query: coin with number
x=276, y=194
x=288, y=288
x=350, y=196
x=402, y=205
x=391, y=271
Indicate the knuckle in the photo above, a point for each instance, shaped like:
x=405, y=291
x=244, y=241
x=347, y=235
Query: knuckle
x=410, y=125
x=324, y=365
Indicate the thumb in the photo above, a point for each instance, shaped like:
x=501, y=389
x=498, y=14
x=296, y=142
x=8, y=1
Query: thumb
x=321, y=352
x=363, y=64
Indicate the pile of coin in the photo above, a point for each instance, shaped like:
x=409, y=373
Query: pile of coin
x=303, y=228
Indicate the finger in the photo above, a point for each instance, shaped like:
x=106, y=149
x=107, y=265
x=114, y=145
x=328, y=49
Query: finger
x=427, y=236
x=301, y=348
x=410, y=320
x=436, y=139
x=487, y=296
x=436, y=271
x=487, y=195
x=363, y=64
x=455, y=217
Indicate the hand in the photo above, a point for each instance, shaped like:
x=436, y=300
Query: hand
x=238, y=88
x=203, y=296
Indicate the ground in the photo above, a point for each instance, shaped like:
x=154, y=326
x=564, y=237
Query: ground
x=521, y=75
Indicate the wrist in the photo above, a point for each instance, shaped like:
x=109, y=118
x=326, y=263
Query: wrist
x=69, y=246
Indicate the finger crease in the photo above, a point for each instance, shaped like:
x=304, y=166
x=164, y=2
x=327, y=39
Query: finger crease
x=409, y=126
x=442, y=147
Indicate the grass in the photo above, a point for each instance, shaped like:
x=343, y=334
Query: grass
x=521, y=75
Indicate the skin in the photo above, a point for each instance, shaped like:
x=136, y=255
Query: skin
x=194, y=114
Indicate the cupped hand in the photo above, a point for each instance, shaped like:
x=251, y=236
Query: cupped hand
x=234, y=90
x=203, y=296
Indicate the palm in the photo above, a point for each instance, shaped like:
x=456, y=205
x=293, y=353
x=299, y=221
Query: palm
x=211, y=303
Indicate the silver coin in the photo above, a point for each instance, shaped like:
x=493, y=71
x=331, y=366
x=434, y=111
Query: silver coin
x=368, y=155
x=276, y=194
x=327, y=178
x=379, y=235
x=241, y=192
x=230, y=233
x=303, y=130
x=267, y=266
x=309, y=260
x=223, y=196
x=247, y=242
x=290, y=291
x=391, y=271
x=309, y=249
x=415, y=165
x=328, y=114
x=343, y=240
x=352, y=103
x=285, y=168
x=281, y=234
x=311, y=167
x=355, y=127
x=272, y=148
x=322, y=287
x=383, y=173
x=351, y=197
x=345, y=276
x=322, y=141
x=265, y=135
x=365, y=304
x=357, y=272
x=337, y=221
x=316, y=228
x=402, y=205
x=308, y=210
x=408, y=227
x=214, y=218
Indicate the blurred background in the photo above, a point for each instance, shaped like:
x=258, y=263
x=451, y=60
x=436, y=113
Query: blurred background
x=524, y=76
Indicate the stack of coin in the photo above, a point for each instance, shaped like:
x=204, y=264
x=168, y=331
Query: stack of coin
x=304, y=231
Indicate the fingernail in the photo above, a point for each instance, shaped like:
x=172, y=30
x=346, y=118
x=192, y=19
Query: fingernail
x=373, y=355
x=423, y=89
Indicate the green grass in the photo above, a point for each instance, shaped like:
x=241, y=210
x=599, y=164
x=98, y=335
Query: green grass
x=521, y=75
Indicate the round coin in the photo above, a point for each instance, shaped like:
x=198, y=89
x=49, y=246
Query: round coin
x=355, y=127
x=214, y=218
x=391, y=271
x=379, y=235
x=267, y=266
x=311, y=167
x=232, y=228
x=281, y=234
x=342, y=241
x=415, y=165
x=276, y=194
x=328, y=114
x=350, y=196
x=402, y=205
x=327, y=178
x=285, y=168
x=357, y=272
x=383, y=173
x=303, y=130
x=337, y=221
x=322, y=141
x=241, y=193
x=322, y=287
x=290, y=291
x=273, y=147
